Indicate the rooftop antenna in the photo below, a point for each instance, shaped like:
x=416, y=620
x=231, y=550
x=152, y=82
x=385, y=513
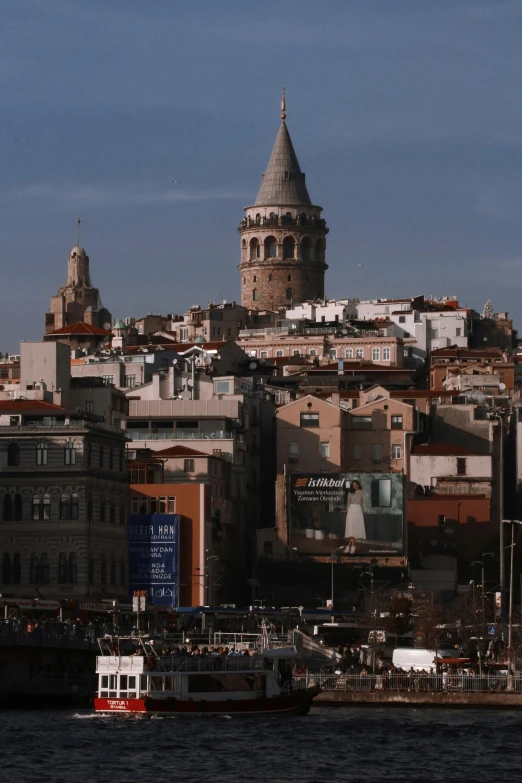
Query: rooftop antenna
x=79, y=221
x=283, y=105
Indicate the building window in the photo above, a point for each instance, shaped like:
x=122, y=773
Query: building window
x=13, y=455
x=255, y=295
x=270, y=278
x=359, y=353
x=7, y=508
x=102, y=509
x=188, y=465
x=264, y=354
x=135, y=507
x=348, y=354
x=332, y=353
x=458, y=332
x=89, y=406
x=130, y=381
x=296, y=352
x=325, y=449
x=289, y=294
x=69, y=454
x=18, y=507
x=171, y=505
x=222, y=387
x=111, y=459
x=37, y=508
x=357, y=451
x=254, y=280
x=288, y=247
x=90, y=571
x=396, y=422
x=376, y=354
x=113, y=572
x=112, y=514
x=44, y=569
x=396, y=451
x=386, y=354
x=17, y=569
x=313, y=352
x=279, y=353
x=75, y=506
x=6, y=569
x=361, y=422
x=402, y=319
x=309, y=419
x=376, y=453
x=305, y=248
x=103, y=570
x=41, y=454
x=73, y=569
x=62, y=568
x=254, y=249
x=46, y=507
x=381, y=492
x=108, y=380
x=293, y=451
x=461, y=466
x=34, y=569
x=64, y=506
x=101, y=457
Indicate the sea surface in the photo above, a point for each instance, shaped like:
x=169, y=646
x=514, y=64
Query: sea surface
x=327, y=746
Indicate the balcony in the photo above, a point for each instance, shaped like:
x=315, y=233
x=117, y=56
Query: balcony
x=184, y=435
x=282, y=221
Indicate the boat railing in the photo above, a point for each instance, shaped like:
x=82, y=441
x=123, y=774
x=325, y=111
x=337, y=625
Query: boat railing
x=210, y=663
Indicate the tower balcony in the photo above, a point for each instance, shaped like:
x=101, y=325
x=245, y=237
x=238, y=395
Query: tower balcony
x=283, y=221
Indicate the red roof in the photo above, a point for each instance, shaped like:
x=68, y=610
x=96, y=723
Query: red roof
x=181, y=451
x=80, y=328
x=16, y=406
x=441, y=450
x=468, y=353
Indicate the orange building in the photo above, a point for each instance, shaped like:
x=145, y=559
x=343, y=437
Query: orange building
x=198, y=566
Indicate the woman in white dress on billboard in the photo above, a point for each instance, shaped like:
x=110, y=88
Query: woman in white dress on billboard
x=355, y=529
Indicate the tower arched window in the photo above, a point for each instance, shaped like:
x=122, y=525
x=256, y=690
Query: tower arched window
x=258, y=218
x=36, y=508
x=288, y=247
x=73, y=569
x=7, y=507
x=62, y=568
x=254, y=249
x=17, y=569
x=319, y=250
x=64, y=506
x=18, y=507
x=255, y=295
x=44, y=569
x=289, y=294
x=289, y=278
x=75, y=506
x=270, y=247
x=6, y=568
x=305, y=248
x=13, y=455
x=270, y=278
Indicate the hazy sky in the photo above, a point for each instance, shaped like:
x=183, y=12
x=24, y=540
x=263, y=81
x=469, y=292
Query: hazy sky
x=406, y=116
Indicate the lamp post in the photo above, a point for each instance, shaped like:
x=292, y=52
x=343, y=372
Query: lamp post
x=483, y=597
x=333, y=558
x=370, y=574
x=511, y=657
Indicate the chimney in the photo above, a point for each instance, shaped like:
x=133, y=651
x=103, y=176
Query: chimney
x=156, y=387
x=336, y=399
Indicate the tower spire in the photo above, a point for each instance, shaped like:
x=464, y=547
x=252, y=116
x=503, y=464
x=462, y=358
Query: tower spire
x=283, y=106
x=79, y=221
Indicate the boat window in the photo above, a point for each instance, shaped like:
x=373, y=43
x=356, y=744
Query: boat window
x=105, y=681
x=132, y=682
x=156, y=683
x=123, y=682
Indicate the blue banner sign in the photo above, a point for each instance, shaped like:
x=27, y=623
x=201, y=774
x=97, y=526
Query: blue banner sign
x=154, y=557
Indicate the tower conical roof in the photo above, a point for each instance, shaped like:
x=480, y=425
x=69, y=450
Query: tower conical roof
x=283, y=181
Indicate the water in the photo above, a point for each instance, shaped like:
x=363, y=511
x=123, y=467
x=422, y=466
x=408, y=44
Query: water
x=328, y=746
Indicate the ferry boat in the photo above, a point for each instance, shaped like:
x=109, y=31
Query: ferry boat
x=134, y=678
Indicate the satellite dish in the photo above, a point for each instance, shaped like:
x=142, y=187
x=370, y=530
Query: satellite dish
x=502, y=387
x=252, y=366
x=107, y=326
x=207, y=360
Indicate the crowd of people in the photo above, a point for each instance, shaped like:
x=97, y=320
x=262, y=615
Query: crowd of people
x=53, y=628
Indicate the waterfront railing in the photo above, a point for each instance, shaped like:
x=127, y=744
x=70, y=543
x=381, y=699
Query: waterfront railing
x=414, y=683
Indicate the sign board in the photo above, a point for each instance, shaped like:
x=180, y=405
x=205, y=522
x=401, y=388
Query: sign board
x=492, y=630
x=31, y=603
x=377, y=637
x=153, y=558
x=361, y=510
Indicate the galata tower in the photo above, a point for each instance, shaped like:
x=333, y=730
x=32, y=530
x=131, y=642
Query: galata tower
x=283, y=236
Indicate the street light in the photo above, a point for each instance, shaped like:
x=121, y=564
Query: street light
x=333, y=558
x=511, y=546
x=483, y=588
x=370, y=574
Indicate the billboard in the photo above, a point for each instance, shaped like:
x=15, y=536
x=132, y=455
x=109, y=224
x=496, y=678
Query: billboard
x=361, y=511
x=154, y=556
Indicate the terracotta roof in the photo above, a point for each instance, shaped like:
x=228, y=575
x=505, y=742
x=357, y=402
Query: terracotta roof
x=18, y=406
x=180, y=451
x=468, y=353
x=441, y=450
x=350, y=367
x=80, y=328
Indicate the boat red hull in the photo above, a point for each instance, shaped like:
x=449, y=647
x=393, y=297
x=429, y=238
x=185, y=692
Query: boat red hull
x=297, y=703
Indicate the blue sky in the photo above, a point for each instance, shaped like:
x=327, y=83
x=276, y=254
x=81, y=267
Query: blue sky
x=406, y=116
